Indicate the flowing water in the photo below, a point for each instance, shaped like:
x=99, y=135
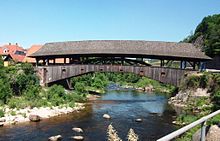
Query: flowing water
x=124, y=106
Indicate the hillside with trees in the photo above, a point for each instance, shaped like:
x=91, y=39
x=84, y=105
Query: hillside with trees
x=207, y=35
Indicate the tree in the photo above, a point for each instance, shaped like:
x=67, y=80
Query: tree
x=207, y=33
x=5, y=91
x=1, y=62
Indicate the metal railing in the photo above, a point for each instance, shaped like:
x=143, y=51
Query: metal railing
x=182, y=130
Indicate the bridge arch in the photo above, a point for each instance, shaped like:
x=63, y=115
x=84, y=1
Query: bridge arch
x=79, y=57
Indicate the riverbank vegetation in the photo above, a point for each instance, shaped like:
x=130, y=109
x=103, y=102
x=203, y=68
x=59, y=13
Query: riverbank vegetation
x=98, y=81
x=199, y=95
x=19, y=88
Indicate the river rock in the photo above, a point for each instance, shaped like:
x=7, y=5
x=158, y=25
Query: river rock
x=212, y=134
x=138, y=120
x=78, y=130
x=2, y=119
x=1, y=124
x=106, y=116
x=34, y=118
x=78, y=138
x=55, y=138
x=148, y=88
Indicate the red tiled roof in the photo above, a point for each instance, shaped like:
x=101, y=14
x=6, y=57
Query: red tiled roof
x=31, y=50
x=11, y=49
x=17, y=58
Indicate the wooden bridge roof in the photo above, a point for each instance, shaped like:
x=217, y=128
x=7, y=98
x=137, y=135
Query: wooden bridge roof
x=155, y=49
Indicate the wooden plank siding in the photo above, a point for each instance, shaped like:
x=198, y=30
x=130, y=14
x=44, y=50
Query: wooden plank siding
x=50, y=74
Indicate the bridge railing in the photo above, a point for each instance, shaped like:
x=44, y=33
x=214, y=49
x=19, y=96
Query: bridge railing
x=182, y=130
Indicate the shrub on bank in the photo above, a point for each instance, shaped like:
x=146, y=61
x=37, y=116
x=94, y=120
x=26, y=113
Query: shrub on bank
x=5, y=91
x=2, y=114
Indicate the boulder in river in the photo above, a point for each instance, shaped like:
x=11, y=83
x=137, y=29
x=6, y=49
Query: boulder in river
x=138, y=120
x=149, y=88
x=78, y=130
x=34, y=118
x=106, y=116
x=55, y=138
x=1, y=124
x=78, y=138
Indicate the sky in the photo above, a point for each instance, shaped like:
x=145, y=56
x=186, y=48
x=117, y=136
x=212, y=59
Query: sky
x=29, y=22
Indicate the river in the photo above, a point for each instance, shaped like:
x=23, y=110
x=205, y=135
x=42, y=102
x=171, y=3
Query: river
x=124, y=106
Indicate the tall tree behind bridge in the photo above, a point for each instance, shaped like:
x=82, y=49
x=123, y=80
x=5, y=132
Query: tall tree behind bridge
x=207, y=35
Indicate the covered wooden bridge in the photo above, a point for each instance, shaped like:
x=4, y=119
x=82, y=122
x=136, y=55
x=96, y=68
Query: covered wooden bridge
x=166, y=62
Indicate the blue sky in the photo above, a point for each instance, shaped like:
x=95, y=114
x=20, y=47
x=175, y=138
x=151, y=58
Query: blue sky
x=30, y=22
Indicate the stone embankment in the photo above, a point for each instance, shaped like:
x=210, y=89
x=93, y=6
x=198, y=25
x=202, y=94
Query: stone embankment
x=13, y=116
x=183, y=98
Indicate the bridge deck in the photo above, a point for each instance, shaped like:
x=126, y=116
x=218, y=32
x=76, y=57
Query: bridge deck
x=50, y=74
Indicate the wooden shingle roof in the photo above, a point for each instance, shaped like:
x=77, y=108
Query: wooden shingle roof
x=125, y=47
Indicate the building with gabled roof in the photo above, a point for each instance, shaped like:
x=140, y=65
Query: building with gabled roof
x=12, y=53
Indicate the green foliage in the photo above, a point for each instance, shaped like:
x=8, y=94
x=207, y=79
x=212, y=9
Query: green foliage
x=56, y=95
x=2, y=113
x=80, y=87
x=27, y=68
x=13, y=113
x=214, y=120
x=143, y=82
x=200, y=106
x=22, y=82
x=1, y=62
x=196, y=81
x=209, y=30
x=32, y=92
x=18, y=102
x=187, y=118
x=75, y=97
x=5, y=91
x=216, y=100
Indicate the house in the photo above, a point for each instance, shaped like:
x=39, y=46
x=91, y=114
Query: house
x=12, y=53
x=32, y=50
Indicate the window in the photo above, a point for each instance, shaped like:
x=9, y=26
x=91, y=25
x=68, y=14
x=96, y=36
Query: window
x=5, y=50
x=19, y=52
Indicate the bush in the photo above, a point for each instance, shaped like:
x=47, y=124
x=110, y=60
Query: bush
x=192, y=82
x=79, y=87
x=18, y=102
x=5, y=91
x=184, y=118
x=75, y=97
x=216, y=100
x=2, y=114
x=32, y=92
x=56, y=95
x=214, y=120
x=23, y=81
